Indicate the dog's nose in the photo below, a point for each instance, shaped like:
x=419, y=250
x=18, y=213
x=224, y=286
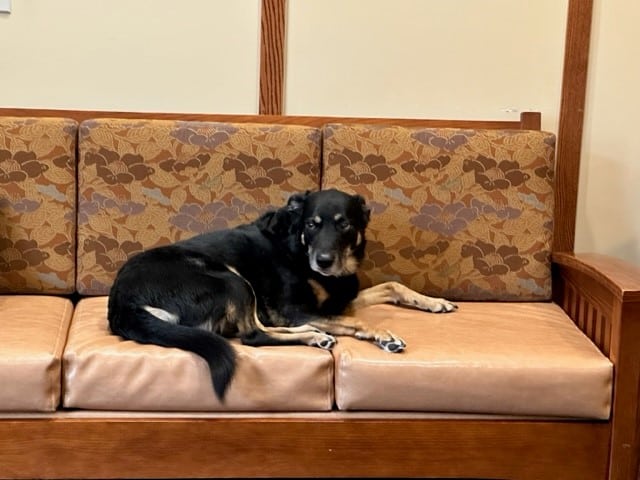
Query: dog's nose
x=325, y=260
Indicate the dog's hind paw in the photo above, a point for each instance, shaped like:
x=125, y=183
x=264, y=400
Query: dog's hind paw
x=391, y=343
x=324, y=340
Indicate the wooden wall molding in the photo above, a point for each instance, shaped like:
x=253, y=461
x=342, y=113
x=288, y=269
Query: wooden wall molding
x=527, y=120
x=272, y=46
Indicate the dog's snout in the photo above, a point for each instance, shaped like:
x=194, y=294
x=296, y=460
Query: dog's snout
x=325, y=260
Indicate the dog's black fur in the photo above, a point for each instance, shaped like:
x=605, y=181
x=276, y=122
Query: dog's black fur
x=278, y=280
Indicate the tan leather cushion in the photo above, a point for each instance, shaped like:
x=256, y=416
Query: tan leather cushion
x=32, y=337
x=493, y=358
x=103, y=371
x=37, y=205
x=144, y=183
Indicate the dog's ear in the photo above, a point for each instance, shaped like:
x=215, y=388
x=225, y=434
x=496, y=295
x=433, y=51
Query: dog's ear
x=275, y=223
x=296, y=202
x=366, y=211
x=281, y=222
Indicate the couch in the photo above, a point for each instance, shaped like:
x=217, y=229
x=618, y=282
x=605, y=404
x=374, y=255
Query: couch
x=535, y=376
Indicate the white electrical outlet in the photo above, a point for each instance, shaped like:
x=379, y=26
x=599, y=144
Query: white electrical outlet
x=5, y=6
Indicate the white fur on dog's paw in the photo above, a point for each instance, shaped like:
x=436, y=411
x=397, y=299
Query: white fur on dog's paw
x=324, y=340
x=391, y=343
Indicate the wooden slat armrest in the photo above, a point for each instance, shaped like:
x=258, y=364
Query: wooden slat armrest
x=602, y=296
x=598, y=292
x=619, y=277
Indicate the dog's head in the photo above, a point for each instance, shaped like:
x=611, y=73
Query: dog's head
x=331, y=229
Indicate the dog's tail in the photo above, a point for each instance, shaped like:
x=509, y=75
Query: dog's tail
x=143, y=327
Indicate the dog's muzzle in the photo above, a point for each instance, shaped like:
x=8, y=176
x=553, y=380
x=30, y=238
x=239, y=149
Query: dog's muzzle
x=331, y=264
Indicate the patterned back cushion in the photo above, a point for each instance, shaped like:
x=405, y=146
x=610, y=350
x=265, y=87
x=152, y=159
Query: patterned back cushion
x=144, y=183
x=464, y=214
x=37, y=205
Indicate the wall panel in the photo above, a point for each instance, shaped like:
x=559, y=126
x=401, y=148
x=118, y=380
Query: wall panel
x=142, y=55
x=425, y=58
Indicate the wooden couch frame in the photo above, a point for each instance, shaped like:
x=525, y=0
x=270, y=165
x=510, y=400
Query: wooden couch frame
x=600, y=294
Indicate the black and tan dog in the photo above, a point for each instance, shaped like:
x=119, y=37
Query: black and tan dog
x=287, y=278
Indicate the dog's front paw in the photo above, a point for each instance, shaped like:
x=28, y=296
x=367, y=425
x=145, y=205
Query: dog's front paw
x=324, y=340
x=435, y=305
x=390, y=343
x=440, y=305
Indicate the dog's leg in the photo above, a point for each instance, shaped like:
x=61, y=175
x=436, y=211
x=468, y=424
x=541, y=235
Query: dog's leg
x=305, y=334
x=394, y=292
x=253, y=332
x=356, y=328
x=267, y=336
x=298, y=329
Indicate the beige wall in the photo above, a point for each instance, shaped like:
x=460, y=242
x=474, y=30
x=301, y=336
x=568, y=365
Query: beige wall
x=141, y=55
x=609, y=193
x=414, y=58
x=425, y=58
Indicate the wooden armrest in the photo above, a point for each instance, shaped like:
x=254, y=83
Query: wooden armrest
x=599, y=293
x=619, y=277
x=602, y=296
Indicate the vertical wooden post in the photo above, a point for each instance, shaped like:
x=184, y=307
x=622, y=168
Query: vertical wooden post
x=625, y=432
x=574, y=86
x=272, y=36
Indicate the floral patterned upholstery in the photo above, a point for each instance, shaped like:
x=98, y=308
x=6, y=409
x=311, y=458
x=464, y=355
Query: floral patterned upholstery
x=146, y=183
x=464, y=214
x=37, y=205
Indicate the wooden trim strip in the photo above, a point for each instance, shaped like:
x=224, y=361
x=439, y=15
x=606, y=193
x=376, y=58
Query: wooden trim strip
x=574, y=86
x=272, y=36
x=313, y=121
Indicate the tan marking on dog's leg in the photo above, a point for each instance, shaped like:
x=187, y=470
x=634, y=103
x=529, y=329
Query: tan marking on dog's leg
x=358, y=329
x=275, y=331
x=314, y=338
x=306, y=328
x=340, y=326
x=394, y=292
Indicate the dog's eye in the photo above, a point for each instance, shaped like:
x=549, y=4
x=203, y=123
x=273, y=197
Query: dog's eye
x=344, y=225
x=311, y=224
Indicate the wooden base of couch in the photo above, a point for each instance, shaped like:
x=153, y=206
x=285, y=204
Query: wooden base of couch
x=300, y=447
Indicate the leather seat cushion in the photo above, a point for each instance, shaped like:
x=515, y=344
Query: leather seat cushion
x=105, y=372
x=487, y=358
x=32, y=338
